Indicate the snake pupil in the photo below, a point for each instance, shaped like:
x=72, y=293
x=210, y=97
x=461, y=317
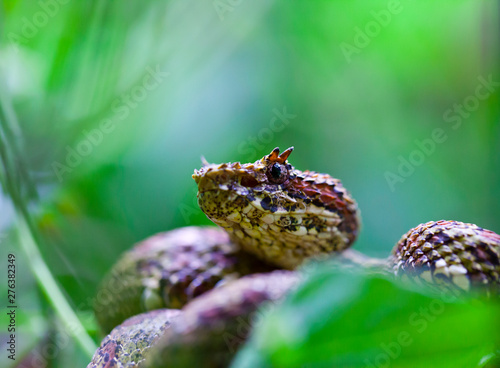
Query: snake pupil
x=276, y=171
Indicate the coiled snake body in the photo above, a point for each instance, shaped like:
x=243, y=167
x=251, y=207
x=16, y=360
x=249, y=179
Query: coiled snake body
x=274, y=217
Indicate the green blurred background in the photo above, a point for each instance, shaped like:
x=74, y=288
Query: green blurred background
x=107, y=106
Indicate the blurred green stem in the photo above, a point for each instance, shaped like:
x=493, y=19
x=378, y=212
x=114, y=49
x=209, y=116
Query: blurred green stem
x=15, y=178
x=52, y=291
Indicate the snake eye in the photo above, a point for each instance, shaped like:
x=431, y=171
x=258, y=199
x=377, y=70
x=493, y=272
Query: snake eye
x=277, y=173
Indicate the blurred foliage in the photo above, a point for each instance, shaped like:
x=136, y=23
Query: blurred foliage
x=356, y=320
x=143, y=89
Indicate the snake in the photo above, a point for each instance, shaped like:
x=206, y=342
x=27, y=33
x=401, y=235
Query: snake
x=186, y=293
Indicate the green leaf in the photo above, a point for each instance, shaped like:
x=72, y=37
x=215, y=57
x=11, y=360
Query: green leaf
x=342, y=319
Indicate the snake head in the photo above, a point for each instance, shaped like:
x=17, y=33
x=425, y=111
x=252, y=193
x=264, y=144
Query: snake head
x=278, y=212
x=271, y=170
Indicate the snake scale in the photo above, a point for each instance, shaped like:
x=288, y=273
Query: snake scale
x=272, y=217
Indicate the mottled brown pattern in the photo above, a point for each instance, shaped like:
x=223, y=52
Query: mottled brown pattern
x=213, y=326
x=169, y=269
x=279, y=213
x=128, y=344
x=451, y=254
